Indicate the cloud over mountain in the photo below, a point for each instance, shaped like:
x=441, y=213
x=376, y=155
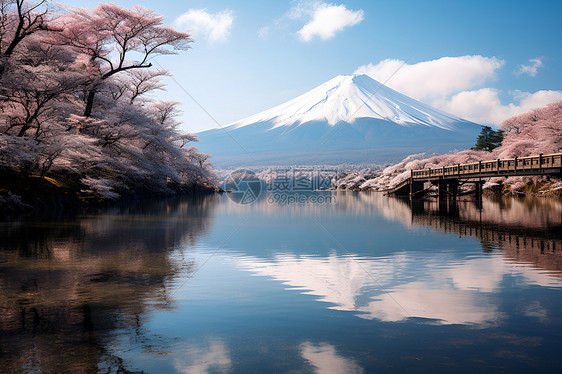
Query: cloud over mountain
x=435, y=78
x=460, y=85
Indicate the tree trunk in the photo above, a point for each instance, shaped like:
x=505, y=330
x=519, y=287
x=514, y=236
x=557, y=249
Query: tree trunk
x=23, y=130
x=90, y=103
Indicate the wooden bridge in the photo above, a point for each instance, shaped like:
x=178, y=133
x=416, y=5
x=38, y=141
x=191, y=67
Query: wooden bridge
x=448, y=178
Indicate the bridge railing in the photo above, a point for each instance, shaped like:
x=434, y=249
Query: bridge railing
x=499, y=166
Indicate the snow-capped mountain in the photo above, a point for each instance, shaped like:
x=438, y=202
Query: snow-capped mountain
x=349, y=119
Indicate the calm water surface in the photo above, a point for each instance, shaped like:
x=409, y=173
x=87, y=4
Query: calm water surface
x=368, y=284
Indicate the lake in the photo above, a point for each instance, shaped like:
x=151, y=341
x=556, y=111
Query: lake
x=353, y=283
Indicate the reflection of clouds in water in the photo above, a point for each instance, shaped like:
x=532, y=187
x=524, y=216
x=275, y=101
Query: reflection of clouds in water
x=326, y=360
x=486, y=273
x=419, y=299
x=428, y=286
x=536, y=310
x=481, y=274
x=212, y=357
x=535, y=277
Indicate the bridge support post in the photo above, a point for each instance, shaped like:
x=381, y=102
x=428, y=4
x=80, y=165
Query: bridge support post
x=478, y=190
x=448, y=188
x=415, y=186
x=442, y=189
x=453, y=188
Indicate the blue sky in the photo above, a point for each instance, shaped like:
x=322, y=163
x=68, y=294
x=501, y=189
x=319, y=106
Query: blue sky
x=482, y=60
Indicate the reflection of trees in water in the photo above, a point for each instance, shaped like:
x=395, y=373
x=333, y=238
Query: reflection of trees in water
x=66, y=286
x=507, y=211
x=526, y=230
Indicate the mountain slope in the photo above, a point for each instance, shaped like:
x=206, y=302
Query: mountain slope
x=349, y=119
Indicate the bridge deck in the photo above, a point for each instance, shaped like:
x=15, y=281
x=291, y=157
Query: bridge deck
x=532, y=165
x=517, y=166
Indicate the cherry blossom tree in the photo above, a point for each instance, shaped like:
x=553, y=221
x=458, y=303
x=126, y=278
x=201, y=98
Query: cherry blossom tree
x=53, y=73
x=110, y=35
x=36, y=97
x=539, y=131
x=40, y=89
x=141, y=82
x=19, y=20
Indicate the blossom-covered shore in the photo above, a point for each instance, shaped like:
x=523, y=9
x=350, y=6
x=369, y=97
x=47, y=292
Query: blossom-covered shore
x=533, y=133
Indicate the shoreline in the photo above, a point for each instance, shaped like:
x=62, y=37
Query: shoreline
x=543, y=189
x=22, y=196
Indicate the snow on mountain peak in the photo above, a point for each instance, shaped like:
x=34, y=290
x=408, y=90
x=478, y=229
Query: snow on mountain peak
x=346, y=98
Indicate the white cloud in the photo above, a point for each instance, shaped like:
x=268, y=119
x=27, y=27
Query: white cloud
x=263, y=33
x=215, y=27
x=532, y=69
x=484, y=105
x=435, y=78
x=451, y=84
x=325, y=19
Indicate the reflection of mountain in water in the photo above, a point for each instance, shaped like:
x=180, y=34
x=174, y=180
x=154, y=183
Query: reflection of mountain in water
x=432, y=286
x=66, y=286
x=446, y=286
